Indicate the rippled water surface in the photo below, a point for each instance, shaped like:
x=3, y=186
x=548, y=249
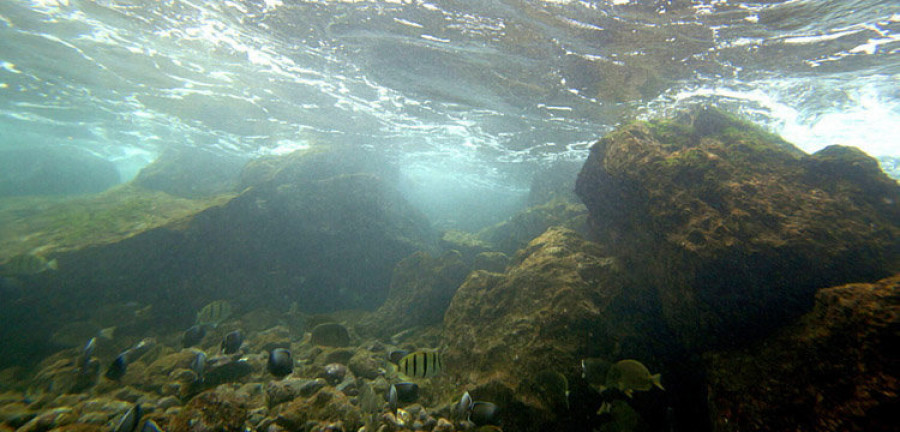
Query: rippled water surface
x=469, y=89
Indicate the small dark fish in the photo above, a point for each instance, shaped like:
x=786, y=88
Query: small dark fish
x=330, y=334
x=407, y=392
x=462, y=408
x=484, y=413
x=232, y=342
x=118, y=367
x=150, y=426
x=393, y=399
x=129, y=421
x=280, y=363
x=198, y=365
x=193, y=336
x=87, y=376
x=140, y=349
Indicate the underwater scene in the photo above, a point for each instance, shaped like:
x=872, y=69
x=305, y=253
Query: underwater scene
x=447, y=216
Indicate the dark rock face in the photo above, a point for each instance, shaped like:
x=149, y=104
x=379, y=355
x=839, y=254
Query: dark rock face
x=836, y=369
x=732, y=229
x=191, y=172
x=421, y=289
x=556, y=304
x=56, y=170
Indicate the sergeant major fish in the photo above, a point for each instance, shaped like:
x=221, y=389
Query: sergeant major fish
x=421, y=364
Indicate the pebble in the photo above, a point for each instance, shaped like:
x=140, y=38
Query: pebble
x=50, y=419
x=443, y=425
x=168, y=402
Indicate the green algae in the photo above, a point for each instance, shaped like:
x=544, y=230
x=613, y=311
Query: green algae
x=50, y=224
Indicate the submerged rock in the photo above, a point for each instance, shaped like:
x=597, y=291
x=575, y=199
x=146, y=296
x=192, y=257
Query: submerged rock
x=835, y=369
x=421, y=289
x=731, y=229
x=555, y=304
x=326, y=406
x=212, y=410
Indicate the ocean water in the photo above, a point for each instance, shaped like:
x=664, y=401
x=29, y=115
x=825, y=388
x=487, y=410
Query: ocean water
x=470, y=95
x=467, y=99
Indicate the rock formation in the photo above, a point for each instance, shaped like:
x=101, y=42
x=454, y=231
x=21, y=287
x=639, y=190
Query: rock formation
x=835, y=369
x=557, y=303
x=732, y=228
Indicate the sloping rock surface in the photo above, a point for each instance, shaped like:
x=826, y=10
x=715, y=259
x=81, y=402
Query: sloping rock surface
x=324, y=243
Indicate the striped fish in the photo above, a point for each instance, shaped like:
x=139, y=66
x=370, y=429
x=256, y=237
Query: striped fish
x=421, y=364
x=214, y=313
x=26, y=264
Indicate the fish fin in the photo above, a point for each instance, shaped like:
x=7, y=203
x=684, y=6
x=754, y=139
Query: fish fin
x=629, y=393
x=53, y=264
x=655, y=379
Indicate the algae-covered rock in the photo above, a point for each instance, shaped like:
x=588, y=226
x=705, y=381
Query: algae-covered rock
x=327, y=405
x=555, y=305
x=730, y=228
x=835, y=369
x=214, y=410
x=421, y=289
x=191, y=172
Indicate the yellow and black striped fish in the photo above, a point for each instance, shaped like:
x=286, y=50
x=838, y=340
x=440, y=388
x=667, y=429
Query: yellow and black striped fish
x=26, y=264
x=214, y=313
x=421, y=364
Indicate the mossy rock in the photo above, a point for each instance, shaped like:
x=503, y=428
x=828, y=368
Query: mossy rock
x=732, y=229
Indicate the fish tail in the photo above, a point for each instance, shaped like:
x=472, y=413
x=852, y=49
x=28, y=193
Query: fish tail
x=656, y=379
x=53, y=264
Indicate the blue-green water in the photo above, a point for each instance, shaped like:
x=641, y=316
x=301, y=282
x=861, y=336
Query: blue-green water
x=459, y=93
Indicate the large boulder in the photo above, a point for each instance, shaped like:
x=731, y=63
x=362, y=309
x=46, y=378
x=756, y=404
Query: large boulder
x=835, y=369
x=54, y=170
x=732, y=229
x=560, y=301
